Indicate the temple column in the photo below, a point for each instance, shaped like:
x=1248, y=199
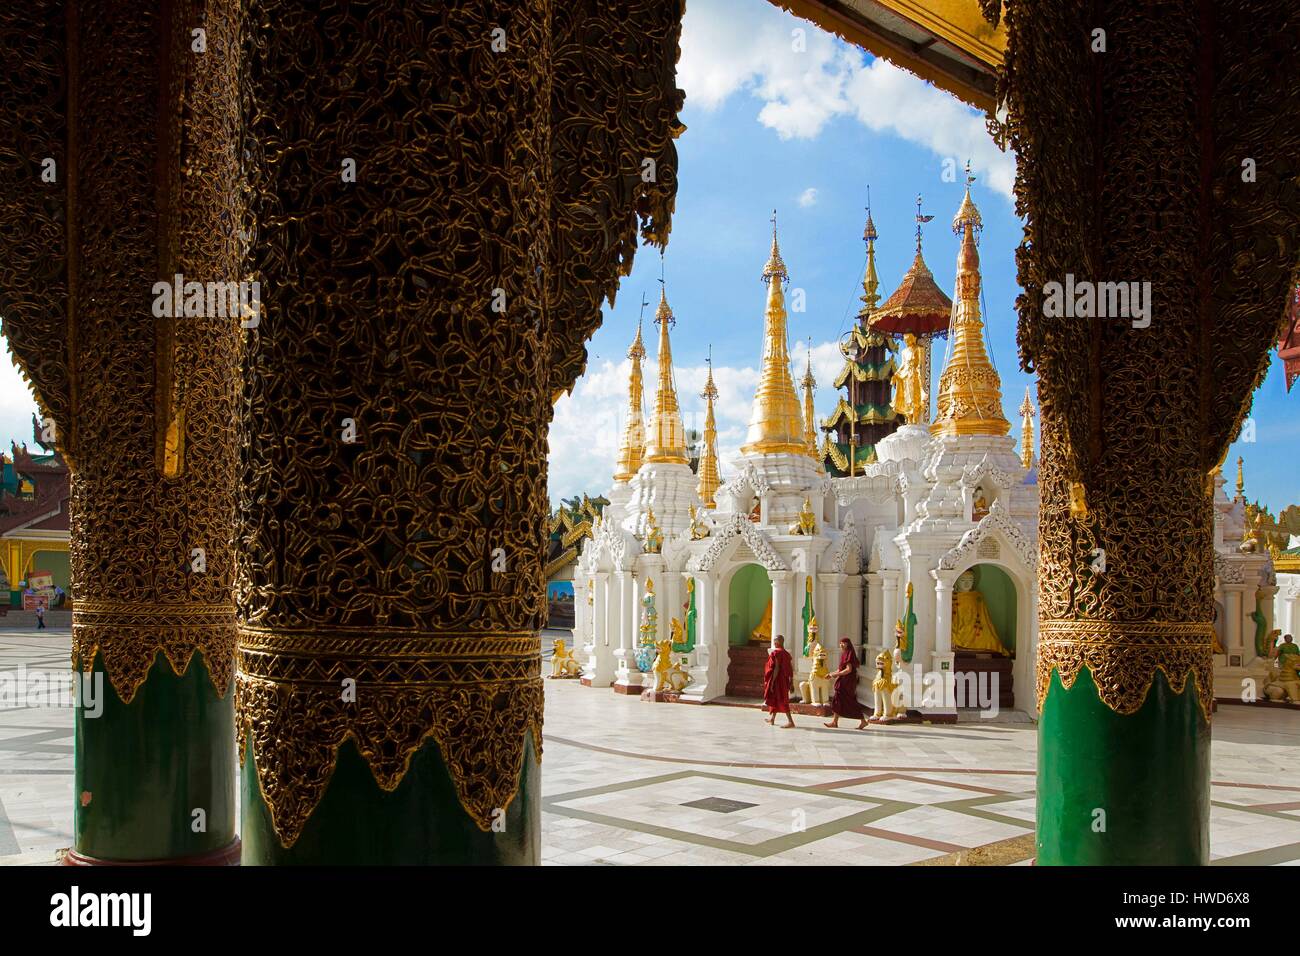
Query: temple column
x=1130, y=171
x=707, y=679
x=627, y=677
x=1232, y=614
x=121, y=179
x=888, y=606
x=873, y=617
x=828, y=614
x=780, y=610
x=427, y=239
x=599, y=665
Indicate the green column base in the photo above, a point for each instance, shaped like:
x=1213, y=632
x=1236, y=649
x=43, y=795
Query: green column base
x=1122, y=791
x=142, y=769
x=421, y=822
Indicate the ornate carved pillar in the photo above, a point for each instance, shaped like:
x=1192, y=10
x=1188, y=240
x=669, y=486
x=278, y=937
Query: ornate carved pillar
x=1155, y=145
x=439, y=203
x=120, y=124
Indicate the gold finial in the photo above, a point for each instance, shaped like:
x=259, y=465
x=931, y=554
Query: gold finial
x=870, y=281
x=970, y=392
x=665, y=438
x=775, y=264
x=920, y=221
x=809, y=422
x=1241, y=480
x=708, y=469
x=775, y=425
x=967, y=212
x=1027, y=431
x=632, y=451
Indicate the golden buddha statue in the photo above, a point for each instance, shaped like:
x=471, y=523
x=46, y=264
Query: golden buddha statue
x=763, y=632
x=972, y=628
x=807, y=523
x=909, y=390
x=699, y=530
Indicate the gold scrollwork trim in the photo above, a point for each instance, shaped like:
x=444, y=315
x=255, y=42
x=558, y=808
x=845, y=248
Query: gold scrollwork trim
x=1123, y=657
x=128, y=635
x=477, y=697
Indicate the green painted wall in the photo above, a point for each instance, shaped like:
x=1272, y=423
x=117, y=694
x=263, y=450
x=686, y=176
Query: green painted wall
x=746, y=601
x=1000, y=595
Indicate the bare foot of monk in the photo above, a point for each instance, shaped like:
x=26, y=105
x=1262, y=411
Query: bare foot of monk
x=833, y=724
x=791, y=721
x=863, y=725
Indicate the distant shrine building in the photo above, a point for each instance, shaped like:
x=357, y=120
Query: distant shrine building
x=34, y=529
x=908, y=525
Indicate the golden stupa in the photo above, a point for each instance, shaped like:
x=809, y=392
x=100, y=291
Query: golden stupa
x=776, y=424
x=970, y=392
x=708, y=467
x=665, y=436
x=632, y=450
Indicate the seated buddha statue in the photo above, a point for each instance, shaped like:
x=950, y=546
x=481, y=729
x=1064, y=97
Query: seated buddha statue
x=763, y=632
x=972, y=628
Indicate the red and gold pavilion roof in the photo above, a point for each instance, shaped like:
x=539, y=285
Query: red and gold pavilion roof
x=917, y=306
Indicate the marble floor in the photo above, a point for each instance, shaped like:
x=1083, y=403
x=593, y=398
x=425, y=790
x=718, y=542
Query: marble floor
x=630, y=782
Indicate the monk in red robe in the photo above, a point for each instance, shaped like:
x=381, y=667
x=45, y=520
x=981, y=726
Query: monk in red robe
x=844, y=702
x=778, y=676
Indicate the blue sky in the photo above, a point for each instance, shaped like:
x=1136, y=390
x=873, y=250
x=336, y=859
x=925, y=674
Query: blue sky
x=767, y=126
x=802, y=124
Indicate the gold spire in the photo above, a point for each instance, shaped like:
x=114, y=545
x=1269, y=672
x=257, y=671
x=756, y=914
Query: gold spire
x=809, y=423
x=708, y=468
x=970, y=392
x=632, y=451
x=1241, y=480
x=870, y=281
x=775, y=424
x=1027, y=431
x=665, y=438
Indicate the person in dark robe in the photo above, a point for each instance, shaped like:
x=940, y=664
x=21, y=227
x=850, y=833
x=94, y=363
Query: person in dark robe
x=844, y=702
x=778, y=676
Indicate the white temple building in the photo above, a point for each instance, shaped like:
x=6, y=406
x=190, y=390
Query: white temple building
x=936, y=526
x=782, y=547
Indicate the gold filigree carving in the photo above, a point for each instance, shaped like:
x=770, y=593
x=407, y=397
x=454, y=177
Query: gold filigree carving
x=1139, y=414
x=476, y=697
x=1123, y=657
x=129, y=635
x=520, y=171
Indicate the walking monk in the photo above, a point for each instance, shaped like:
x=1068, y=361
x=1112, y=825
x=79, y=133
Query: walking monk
x=778, y=675
x=844, y=702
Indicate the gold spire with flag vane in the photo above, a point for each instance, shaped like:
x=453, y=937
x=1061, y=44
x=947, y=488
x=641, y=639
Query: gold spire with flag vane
x=870, y=281
x=632, y=451
x=665, y=437
x=809, y=422
x=970, y=392
x=775, y=425
x=1027, y=431
x=708, y=469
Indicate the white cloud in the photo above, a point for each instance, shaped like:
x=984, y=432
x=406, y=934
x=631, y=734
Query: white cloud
x=803, y=89
x=16, y=405
x=808, y=197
